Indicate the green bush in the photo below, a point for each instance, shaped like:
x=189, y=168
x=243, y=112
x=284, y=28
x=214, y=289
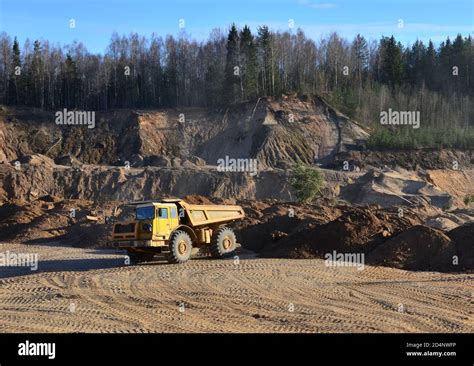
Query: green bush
x=306, y=182
x=469, y=199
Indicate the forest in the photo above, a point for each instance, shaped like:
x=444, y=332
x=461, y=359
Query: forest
x=360, y=77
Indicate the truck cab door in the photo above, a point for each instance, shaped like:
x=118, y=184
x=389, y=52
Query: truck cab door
x=163, y=222
x=174, y=219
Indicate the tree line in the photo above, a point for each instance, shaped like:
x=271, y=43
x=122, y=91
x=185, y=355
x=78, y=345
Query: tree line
x=358, y=76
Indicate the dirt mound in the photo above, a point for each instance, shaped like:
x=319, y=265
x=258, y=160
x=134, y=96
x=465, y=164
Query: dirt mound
x=52, y=218
x=417, y=248
x=36, y=160
x=275, y=229
x=93, y=227
x=87, y=234
x=31, y=221
x=457, y=183
x=441, y=223
x=463, y=238
x=195, y=199
x=449, y=220
x=357, y=229
x=267, y=221
x=395, y=187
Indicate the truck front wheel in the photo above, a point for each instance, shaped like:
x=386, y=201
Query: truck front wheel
x=180, y=245
x=223, y=242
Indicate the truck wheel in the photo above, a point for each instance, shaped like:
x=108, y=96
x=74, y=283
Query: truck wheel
x=223, y=242
x=180, y=247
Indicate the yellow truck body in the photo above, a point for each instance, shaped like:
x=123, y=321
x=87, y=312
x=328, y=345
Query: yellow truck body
x=157, y=222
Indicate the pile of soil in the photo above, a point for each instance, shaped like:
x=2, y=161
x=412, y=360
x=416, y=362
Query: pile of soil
x=463, y=238
x=86, y=234
x=417, y=248
x=195, y=199
x=271, y=228
x=22, y=221
x=357, y=229
x=267, y=222
x=36, y=159
x=52, y=218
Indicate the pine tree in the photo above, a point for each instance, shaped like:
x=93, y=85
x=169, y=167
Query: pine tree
x=392, y=62
x=249, y=66
x=232, y=76
x=445, y=54
x=469, y=54
x=414, y=60
x=459, y=59
x=429, y=66
x=266, y=60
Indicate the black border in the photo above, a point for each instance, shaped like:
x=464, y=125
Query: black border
x=82, y=347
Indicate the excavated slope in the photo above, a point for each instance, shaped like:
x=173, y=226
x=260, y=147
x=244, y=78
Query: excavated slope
x=275, y=131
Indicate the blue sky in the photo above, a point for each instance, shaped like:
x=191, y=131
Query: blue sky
x=96, y=20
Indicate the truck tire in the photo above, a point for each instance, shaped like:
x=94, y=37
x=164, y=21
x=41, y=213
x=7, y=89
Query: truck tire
x=180, y=245
x=223, y=242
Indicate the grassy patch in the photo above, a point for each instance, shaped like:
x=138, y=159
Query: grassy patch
x=405, y=138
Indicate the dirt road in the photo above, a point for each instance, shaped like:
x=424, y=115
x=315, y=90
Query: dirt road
x=83, y=290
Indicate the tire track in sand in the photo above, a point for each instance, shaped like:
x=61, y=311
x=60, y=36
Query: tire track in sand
x=255, y=295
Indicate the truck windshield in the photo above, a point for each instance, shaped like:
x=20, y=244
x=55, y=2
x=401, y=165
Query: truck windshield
x=145, y=213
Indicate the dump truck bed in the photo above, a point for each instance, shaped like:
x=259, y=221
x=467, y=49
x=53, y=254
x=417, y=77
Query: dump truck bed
x=200, y=215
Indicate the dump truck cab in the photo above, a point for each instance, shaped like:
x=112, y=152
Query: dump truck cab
x=156, y=221
x=174, y=227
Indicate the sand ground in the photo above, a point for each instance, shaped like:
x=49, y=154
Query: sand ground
x=86, y=290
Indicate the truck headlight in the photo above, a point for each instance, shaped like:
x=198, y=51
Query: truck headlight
x=147, y=228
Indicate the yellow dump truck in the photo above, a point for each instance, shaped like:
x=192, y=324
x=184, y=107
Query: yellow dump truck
x=174, y=227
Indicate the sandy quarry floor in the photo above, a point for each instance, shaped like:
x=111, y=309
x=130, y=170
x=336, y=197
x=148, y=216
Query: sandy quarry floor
x=81, y=290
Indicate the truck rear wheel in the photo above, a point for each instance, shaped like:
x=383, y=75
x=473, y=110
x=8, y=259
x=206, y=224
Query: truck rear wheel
x=180, y=245
x=223, y=242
